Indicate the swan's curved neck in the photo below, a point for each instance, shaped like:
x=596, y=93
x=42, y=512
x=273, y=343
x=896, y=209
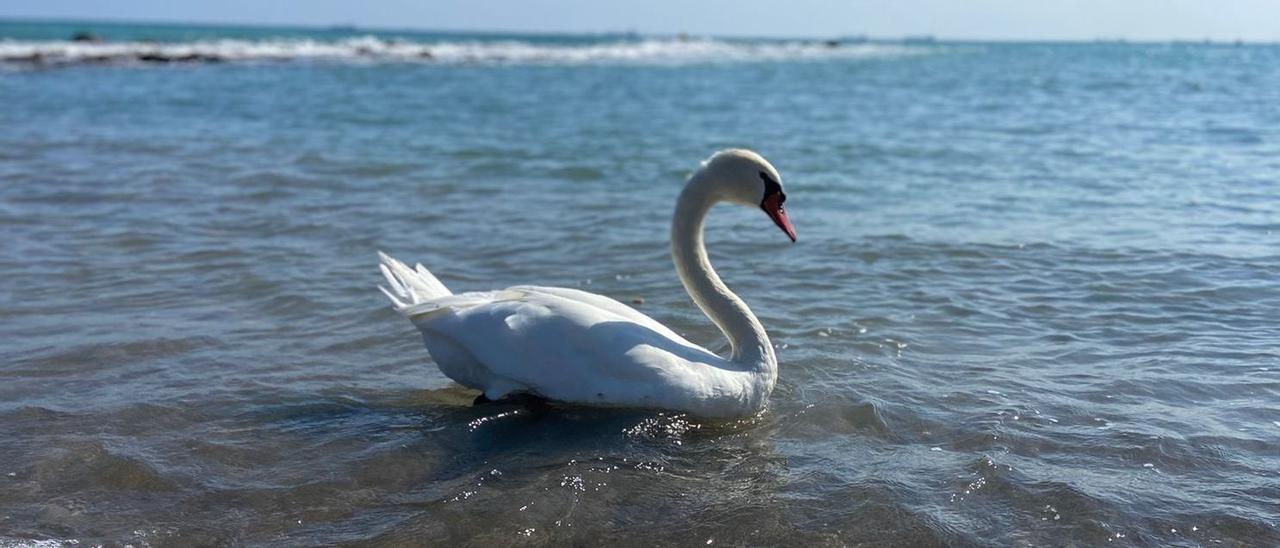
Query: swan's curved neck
x=751, y=347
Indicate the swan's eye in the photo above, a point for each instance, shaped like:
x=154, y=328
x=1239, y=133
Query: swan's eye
x=771, y=187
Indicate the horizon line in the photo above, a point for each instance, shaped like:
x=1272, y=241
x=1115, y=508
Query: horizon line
x=585, y=33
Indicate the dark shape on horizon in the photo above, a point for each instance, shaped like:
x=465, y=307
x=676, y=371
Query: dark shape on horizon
x=86, y=36
x=36, y=58
x=160, y=58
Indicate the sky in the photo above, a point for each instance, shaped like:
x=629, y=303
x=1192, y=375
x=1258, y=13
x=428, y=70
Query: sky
x=1251, y=20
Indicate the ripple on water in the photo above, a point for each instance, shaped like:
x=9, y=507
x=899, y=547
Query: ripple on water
x=95, y=357
x=91, y=465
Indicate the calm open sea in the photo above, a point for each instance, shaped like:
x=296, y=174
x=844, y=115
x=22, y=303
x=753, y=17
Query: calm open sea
x=1034, y=301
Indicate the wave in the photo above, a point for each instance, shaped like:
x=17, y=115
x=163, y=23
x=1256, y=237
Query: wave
x=374, y=49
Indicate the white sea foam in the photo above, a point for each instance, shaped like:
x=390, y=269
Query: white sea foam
x=369, y=48
x=34, y=543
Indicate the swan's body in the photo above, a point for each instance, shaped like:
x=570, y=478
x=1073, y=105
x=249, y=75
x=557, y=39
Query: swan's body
x=573, y=346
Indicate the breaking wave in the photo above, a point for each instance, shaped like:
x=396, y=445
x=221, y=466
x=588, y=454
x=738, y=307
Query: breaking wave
x=374, y=49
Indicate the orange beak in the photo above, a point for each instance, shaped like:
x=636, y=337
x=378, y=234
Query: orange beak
x=772, y=206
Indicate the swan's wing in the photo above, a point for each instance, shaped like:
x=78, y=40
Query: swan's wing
x=457, y=303
x=603, y=303
x=532, y=339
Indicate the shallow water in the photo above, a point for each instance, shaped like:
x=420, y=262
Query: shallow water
x=1033, y=301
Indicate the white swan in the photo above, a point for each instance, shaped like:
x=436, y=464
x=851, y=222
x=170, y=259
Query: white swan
x=573, y=346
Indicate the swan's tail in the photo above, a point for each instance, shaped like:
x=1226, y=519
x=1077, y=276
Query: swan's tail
x=409, y=286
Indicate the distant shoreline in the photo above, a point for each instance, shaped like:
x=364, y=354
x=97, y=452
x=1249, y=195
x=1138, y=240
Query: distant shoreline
x=854, y=36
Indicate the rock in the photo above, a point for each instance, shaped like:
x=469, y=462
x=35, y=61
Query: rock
x=637, y=300
x=157, y=57
x=36, y=58
x=198, y=58
x=86, y=36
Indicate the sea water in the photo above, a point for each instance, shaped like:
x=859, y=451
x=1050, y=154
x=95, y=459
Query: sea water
x=1034, y=299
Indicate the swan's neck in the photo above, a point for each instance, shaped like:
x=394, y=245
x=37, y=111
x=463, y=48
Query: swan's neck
x=751, y=347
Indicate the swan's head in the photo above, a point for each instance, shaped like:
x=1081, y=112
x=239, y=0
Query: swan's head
x=744, y=177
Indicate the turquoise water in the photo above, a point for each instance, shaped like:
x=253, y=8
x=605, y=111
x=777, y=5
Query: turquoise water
x=1033, y=301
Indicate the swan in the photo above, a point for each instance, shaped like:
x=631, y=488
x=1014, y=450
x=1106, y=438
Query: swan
x=577, y=347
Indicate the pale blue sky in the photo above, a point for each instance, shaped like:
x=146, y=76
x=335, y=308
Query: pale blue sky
x=1257, y=20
